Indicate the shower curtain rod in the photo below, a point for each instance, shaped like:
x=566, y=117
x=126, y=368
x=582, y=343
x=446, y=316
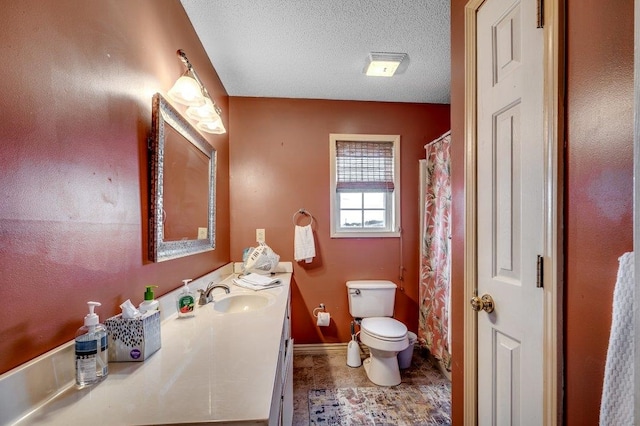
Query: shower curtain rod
x=439, y=138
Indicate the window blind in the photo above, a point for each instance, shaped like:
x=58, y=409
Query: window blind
x=364, y=166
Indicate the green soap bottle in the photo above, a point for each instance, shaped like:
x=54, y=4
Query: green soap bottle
x=186, y=301
x=149, y=304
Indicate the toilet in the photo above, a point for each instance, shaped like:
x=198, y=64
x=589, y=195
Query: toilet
x=371, y=301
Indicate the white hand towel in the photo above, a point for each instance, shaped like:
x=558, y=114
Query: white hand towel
x=304, y=246
x=258, y=279
x=616, y=407
x=242, y=282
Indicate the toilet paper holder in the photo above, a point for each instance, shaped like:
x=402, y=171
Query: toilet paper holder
x=319, y=308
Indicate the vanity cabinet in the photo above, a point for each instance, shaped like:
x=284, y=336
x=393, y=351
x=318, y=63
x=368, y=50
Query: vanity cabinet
x=282, y=399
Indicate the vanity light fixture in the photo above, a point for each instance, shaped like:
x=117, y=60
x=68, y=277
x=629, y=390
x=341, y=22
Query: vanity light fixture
x=382, y=64
x=189, y=90
x=211, y=126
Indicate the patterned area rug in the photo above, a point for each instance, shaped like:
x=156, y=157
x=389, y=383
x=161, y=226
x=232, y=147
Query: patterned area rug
x=404, y=405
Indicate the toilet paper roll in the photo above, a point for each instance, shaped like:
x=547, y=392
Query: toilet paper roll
x=323, y=319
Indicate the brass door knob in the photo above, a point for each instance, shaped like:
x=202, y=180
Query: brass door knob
x=482, y=303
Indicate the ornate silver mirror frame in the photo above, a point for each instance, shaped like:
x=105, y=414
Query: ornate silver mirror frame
x=163, y=115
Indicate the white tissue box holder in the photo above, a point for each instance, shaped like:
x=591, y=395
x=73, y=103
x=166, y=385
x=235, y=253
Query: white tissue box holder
x=133, y=339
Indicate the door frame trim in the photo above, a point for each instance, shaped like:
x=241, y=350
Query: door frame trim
x=470, y=357
x=553, y=121
x=636, y=202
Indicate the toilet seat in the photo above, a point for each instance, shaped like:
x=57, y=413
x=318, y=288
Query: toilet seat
x=384, y=328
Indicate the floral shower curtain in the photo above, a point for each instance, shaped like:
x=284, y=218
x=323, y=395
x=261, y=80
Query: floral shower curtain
x=433, y=331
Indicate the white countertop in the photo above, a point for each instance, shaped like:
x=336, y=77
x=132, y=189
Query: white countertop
x=211, y=368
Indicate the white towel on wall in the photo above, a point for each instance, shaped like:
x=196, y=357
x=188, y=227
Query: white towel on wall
x=304, y=246
x=616, y=407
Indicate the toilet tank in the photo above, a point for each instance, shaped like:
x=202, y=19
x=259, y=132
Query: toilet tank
x=371, y=298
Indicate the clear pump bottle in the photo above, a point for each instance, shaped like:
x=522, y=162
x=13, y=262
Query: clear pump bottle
x=92, y=361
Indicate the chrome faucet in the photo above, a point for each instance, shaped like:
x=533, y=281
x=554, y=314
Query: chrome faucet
x=205, y=295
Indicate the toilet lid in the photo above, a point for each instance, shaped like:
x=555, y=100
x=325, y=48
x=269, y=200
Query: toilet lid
x=384, y=327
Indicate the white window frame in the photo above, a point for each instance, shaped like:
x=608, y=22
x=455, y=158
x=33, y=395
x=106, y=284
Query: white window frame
x=394, y=212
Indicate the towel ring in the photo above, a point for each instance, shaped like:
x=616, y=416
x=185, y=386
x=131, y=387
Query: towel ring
x=318, y=309
x=304, y=213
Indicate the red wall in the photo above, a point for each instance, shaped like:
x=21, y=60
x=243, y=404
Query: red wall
x=279, y=150
x=458, y=303
x=76, y=103
x=598, y=191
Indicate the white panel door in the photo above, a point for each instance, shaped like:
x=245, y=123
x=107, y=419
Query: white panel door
x=510, y=236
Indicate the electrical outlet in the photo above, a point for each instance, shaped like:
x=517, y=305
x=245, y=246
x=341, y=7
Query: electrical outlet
x=260, y=236
x=202, y=233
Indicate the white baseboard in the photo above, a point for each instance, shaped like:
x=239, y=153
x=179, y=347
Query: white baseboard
x=324, y=349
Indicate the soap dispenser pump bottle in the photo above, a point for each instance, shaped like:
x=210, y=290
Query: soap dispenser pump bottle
x=91, y=345
x=149, y=304
x=186, y=301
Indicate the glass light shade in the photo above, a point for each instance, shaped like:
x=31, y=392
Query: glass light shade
x=187, y=92
x=382, y=68
x=385, y=64
x=212, y=126
x=204, y=112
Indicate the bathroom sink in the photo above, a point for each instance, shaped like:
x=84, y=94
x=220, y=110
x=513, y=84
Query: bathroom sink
x=234, y=303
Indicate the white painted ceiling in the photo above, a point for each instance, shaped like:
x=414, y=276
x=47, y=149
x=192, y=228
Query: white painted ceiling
x=317, y=49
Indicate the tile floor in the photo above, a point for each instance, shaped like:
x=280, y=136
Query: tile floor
x=331, y=371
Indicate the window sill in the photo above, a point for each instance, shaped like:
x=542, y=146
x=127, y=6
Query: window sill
x=394, y=234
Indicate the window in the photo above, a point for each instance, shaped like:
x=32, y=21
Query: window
x=365, y=185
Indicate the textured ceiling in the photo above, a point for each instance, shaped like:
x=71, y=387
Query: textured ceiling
x=317, y=49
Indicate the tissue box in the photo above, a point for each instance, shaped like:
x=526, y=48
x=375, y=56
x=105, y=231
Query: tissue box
x=133, y=339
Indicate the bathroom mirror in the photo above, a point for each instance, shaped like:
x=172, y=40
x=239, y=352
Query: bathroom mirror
x=183, y=171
